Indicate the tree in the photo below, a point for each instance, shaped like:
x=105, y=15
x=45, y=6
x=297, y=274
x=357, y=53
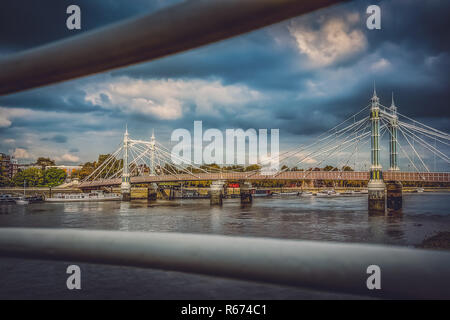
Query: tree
x=54, y=177
x=85, y=171
x=32, y=176
x=253, y=167
x=4, y=181
x=44, y=162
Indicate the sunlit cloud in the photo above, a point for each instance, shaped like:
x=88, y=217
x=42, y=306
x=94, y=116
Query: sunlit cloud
x=20, y=153
x=337, y=38
x=169, y=99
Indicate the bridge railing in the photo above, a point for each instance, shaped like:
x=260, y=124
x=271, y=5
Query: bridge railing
x=334, y=267
x=287, y=175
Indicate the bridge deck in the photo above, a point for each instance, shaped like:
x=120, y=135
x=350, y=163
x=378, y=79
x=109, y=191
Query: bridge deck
x=288, y=175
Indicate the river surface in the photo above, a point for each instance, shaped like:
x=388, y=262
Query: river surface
x=341, y=219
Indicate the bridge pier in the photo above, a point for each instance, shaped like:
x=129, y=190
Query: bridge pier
x=126, y=195
x=216, y=192
x=152, y=192
x=171, y=193
x=394, y=197
x=246, y=192
x=377, y=197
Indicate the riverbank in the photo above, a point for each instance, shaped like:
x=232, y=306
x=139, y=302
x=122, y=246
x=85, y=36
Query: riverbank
x=440, y=241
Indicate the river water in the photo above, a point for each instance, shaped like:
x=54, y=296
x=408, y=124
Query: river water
x=342, y=219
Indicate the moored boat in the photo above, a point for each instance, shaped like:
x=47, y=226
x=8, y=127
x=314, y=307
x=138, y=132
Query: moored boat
x=96, y=195
x=6, y=198
x=289, y=193
x=327, y=193
x=262, y=193
x=351, y=193
x=21, y=200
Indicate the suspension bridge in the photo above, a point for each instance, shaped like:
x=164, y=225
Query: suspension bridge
x=150, y=162
x=308, y=264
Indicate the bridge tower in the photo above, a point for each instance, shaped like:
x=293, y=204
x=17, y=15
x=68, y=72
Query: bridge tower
x=153, y=187
x=376, y=185
x=152, y=153
x=394, y=187
x=393, y=128
x=125, y=187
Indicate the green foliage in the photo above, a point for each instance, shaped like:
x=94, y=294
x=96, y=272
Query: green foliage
x=85, y=171
x=54, y=177
x=44, y=162
x=4, y=181
x=253, y=167
x=33, y=177
x=111, y=168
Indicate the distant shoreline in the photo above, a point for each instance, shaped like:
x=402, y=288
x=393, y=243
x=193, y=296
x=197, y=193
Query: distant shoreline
x=439, y=241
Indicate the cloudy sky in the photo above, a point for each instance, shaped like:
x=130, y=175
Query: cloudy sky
x=302, y=76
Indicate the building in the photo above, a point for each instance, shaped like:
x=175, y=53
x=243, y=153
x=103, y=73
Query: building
x=8, y=166
x=13, y=167
x=4, y=165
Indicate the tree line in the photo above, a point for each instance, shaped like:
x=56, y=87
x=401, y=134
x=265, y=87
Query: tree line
x=37, y=176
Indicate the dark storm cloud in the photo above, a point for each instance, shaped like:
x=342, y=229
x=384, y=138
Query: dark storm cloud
x=245, y=59
x=61, y=97
x=413, y=43
x=59, y=138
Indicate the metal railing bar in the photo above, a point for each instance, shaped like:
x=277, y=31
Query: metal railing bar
x=338, y=267
x=184, y=26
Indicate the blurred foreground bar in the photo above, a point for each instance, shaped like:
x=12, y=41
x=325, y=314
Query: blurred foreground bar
x=178, y=28
x=335, y=267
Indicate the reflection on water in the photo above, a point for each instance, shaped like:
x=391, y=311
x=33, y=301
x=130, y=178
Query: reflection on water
x=324, y=219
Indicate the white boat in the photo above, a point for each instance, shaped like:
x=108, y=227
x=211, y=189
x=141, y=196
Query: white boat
x=351, y=193
x=420, y=190
x=306, y=194
x=21, y=201
x=288, y=193
x=96, y=195
x=327, y=193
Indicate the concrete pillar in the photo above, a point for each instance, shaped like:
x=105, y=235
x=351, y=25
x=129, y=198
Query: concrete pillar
x=377, y=197
x=126, y=196
x=152, y=192
x=246, y=192
x=216, y=192
x=394, y=197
